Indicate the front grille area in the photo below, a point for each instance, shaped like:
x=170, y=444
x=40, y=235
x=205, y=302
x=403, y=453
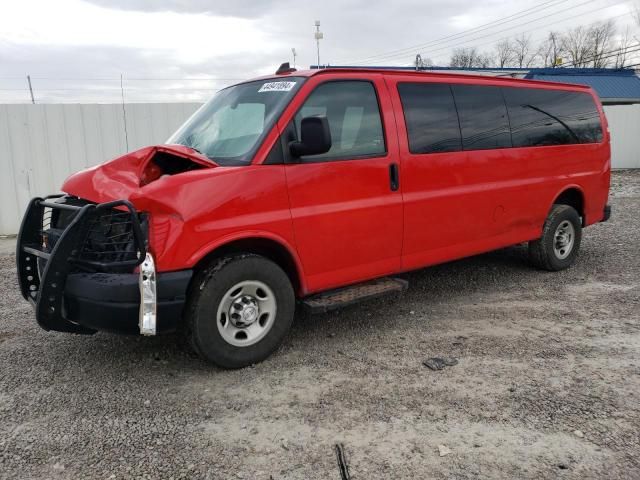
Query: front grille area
x=109, y=238
x=106, y=238
x=55, y=221
x=64, y=235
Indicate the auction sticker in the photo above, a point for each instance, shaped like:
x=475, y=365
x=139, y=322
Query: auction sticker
x=277, y=86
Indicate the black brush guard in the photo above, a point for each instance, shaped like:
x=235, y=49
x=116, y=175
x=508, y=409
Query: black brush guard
x=46, y=255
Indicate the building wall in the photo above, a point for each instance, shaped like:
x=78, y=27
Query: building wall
x=624, y=125
x=41, y=145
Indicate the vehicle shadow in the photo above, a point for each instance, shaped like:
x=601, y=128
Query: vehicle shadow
x=505, y=269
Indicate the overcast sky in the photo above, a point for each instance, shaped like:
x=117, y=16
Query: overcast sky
x=75, y=51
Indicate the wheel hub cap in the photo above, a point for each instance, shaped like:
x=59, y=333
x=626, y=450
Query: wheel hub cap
x=563, y=240
x=246, y=313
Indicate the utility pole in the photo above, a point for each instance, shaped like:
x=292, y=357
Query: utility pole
x=124, y=114
x=319, y=37
x=33, y=100
x=293, y=50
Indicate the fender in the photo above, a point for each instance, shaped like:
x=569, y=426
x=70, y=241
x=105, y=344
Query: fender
x=571, y=186
x=248, y=235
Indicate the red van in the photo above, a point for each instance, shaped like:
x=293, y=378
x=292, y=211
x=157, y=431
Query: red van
x=313, y=189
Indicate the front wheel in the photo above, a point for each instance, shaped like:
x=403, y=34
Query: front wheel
x=558, y=247
x=240, y=309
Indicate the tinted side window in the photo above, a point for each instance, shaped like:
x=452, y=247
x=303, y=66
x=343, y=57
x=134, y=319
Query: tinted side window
x=483, y=117
x=352, y=110
x=431, y=118
x=551, y=117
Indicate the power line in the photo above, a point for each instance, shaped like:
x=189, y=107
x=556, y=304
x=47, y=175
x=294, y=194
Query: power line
x=605, y=55
x=468, y=31
x=425, y=53
x=550, y=24
x=535, y=20
x=438, y=42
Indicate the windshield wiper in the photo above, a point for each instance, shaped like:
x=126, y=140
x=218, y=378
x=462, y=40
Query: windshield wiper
x=195, y=150
x=198, y=151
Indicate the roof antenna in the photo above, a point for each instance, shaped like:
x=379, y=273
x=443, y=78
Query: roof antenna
x=285, y=68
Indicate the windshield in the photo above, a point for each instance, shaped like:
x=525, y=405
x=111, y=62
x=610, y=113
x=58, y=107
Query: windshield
x=230, y=127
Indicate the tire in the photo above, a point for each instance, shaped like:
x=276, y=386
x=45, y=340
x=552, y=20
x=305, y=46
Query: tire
x=558, y=247
x=239, y=310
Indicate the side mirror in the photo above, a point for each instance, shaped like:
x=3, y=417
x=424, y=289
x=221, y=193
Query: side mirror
x=315, y=137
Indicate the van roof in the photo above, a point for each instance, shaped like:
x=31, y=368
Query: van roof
x=422, y=74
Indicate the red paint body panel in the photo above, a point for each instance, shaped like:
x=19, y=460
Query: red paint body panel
x=346, y=219
x=463, y=203
x=339, y=220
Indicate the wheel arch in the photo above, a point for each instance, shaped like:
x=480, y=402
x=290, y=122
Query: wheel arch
x=267, y=245
x=573, y=196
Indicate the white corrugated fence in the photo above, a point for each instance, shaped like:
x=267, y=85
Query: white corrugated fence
x=41, y=145
x=624, y=124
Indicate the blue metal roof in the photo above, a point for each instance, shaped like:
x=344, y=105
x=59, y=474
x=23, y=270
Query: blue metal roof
x=610, y=84
x=613, y=85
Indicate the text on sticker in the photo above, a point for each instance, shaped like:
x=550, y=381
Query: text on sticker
x=277, y=87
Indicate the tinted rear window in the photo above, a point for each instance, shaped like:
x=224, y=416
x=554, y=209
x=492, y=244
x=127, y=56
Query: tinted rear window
x=431, y=118
x=551, y=117
x=483, y=117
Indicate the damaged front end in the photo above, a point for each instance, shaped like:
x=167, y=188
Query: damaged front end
x=85, y=265
x=63, y=237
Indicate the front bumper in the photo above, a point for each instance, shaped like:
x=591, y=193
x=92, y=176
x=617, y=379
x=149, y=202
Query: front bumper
x=76, y=263
x=111, y=301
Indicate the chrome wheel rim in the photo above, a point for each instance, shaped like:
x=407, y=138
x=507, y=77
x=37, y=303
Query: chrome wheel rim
x=246, y=313
x=563, y=239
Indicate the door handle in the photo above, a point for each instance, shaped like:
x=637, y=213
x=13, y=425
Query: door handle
x=394, y=177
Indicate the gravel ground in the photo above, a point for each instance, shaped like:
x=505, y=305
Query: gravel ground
x=546, y=385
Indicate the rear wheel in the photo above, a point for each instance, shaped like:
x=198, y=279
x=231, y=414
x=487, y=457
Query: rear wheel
x=558, y=247
x=240, y=310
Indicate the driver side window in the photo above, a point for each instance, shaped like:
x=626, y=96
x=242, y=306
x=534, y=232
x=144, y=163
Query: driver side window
x=351, y=108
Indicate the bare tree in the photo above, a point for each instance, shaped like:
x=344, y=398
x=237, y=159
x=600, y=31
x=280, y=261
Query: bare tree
x=485, y=60
x=577, y=45
x=523, y=53
x=601, y=39
x=551, y=50
x=636, y=13
x=464, y=57
x=622, y=49
x=596, y=45
x=504, y=53
x=470, y=57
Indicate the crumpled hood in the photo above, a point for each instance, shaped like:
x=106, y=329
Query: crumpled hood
x=127, y=177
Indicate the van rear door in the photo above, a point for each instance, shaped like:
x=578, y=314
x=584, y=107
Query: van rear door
x=463, y=187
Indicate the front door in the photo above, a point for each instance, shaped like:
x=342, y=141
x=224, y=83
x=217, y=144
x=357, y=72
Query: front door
x=346, y=206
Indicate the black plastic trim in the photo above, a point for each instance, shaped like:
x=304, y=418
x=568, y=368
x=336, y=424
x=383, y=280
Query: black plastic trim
x=394, y=177
x=111, y=302
x=275, y=156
